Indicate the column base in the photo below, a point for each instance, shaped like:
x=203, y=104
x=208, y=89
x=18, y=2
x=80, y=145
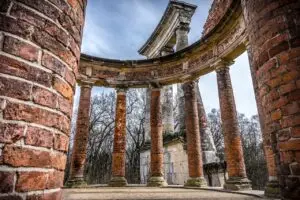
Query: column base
x=76, y=183
x=156, y=181
x=118, y=181
x=237, y=183
x=196, y=182
x=272, y=189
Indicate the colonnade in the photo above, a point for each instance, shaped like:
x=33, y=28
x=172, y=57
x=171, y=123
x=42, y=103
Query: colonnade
x=237, y=178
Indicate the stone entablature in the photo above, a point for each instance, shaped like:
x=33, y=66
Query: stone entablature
x=163, y=36
x=225, y=41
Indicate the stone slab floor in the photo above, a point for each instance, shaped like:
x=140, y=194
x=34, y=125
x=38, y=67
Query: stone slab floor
x=131, y=193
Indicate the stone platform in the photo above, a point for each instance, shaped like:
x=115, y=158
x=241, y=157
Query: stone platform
x=166, y=193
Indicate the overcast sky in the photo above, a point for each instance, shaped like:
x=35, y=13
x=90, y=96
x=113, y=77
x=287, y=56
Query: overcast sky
x=118, y=28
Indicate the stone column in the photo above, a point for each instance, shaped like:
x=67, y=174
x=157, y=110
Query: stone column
x=272, y=186
x=232, y=140
x=207, y=142
x=76, y=178
x=181, y=42
x=273, y=31
x=157, y=151
x=39, y=53
x=196, y=178
x=119, y=149
x=147, y=115
x=167, y=101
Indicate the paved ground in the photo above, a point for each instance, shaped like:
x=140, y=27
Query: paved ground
x=108, y=193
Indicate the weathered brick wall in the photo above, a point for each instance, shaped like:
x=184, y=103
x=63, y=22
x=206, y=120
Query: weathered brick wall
x=216, y=12
x=39, y=52
x=273, y=28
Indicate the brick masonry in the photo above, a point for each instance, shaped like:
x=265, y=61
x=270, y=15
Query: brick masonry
x=273, y=29
x=39, y=52
x=119, y=149
x=157, y=151
x=81, y=136
x=192, y=130
x=232, y=139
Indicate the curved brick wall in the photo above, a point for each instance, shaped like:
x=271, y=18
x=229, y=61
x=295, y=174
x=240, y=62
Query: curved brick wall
x=273, y=28
x=39, y=53
x=216, y=12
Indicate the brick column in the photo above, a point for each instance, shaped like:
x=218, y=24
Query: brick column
x=232, y=140
x=39, y=53
x=157, y=151
x=76, y=178
x=194, y=152
x=273, y=29
x=119, y=149
x=272, y=186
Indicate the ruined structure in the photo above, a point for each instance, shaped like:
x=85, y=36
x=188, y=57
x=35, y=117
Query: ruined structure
x=172, y=33
x=40, y=51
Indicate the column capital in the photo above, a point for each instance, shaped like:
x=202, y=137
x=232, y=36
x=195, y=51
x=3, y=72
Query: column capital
x=85, y=83
x=183, y=27
x=223, y=64
x=121, y=90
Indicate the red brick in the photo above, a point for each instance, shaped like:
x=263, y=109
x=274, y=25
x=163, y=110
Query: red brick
x=19, y=48
x=63, y=88
x=39, y=137
x=10, y=133
x=279, y=48
x=44, y=97
x=17, y=27
x=16, y=68
x=24, y=14
x=57, y=33
x=295, y=131
x=70, y=77
x=53, y=64
x=290, y=121
x=284, y=135
x=58, y=161
x=55, y=179
x=276, y=115
x=65, y=106
x=291, y=145
x=44, y=7
x=15, y=88
x=61, y=142
x=291, y=108
x=290, y=76
x=25, y=157
x=283, y=89
x=7, y=181
x=30, y=181
x=32, y=114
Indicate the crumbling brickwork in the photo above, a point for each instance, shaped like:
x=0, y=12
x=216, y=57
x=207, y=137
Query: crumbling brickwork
x=157, y=151
x=192, y=130
x=273, y=28
x=216, y=12
x=39, y=53
x=81, y=137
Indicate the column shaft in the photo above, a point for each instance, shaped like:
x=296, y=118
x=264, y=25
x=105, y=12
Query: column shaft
x=119, y=148
x=232, y=139
x=157, y=154
x=81, y=138
x=193, y=136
